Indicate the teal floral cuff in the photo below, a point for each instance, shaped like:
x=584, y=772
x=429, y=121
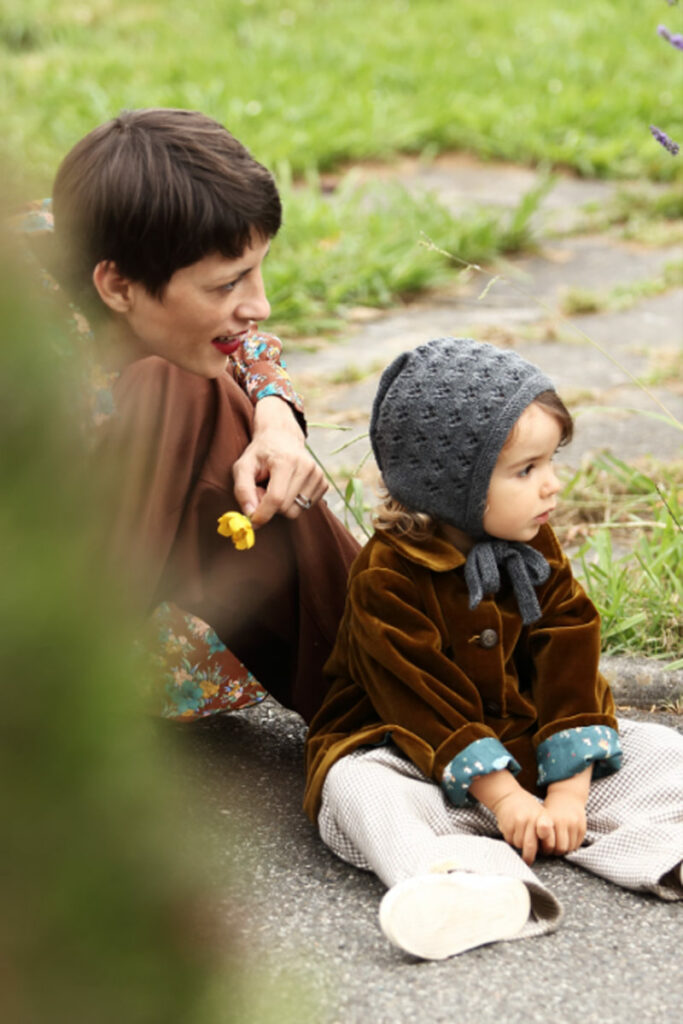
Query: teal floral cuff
x=479, y=758
x=568, y=752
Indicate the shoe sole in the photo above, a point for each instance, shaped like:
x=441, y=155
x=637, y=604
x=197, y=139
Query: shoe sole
x=438, y=916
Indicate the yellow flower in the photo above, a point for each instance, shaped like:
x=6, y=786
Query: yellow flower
x=239, y=528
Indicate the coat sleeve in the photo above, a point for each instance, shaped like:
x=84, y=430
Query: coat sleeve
x=150, y=456
x=432, y=710
x=564, y=651
x=576, y=714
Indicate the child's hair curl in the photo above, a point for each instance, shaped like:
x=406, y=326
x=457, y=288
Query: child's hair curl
x=390, y=516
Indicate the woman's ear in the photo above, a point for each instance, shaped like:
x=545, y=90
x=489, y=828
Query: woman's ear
x=112, y=287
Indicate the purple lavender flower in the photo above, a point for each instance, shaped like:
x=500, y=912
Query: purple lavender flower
x=664, y=140
x=671, y=37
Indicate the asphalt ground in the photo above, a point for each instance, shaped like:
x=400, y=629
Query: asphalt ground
x=308, y=922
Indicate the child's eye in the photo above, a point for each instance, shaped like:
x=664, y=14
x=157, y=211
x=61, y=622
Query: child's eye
x=526, y=470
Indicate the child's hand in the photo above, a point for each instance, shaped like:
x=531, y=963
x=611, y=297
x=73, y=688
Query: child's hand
x=524, y=822
x=566, y=804
x=568, y=812
x=521, y=818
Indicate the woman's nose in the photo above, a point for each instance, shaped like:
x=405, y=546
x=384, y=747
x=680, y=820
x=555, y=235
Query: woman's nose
x=255, y=305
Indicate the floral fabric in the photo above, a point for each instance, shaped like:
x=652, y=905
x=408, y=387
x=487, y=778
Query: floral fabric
x=480, y=758
x=562, y=755
x=568, y=752
x=194, y=673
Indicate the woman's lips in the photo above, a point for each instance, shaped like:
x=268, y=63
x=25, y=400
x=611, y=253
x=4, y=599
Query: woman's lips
x=228, y=345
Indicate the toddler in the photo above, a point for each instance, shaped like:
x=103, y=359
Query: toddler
x=468, y=728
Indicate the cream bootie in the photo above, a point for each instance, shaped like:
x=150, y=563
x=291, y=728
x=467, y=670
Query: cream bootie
x=438, y=915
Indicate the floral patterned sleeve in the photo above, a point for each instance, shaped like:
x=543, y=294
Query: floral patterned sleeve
x=260, y=370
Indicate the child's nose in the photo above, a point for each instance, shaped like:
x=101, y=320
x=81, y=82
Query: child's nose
x=551, y=484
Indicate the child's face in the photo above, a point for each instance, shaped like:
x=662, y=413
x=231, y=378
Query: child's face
x=203, y=313
x=523, y=484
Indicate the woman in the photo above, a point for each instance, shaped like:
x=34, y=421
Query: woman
x=162, y=221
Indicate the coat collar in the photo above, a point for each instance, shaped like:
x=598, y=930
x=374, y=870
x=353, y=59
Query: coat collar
x=440, y=555
x=434, y=552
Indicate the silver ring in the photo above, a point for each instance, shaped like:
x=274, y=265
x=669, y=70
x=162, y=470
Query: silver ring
x=304, y=503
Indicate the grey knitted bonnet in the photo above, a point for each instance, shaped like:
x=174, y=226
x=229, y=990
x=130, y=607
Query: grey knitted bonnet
x=441, y=415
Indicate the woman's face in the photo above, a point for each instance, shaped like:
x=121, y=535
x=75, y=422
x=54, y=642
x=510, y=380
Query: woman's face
x=203, y=314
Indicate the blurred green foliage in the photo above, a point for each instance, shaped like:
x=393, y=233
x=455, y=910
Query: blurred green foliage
x=106, y=913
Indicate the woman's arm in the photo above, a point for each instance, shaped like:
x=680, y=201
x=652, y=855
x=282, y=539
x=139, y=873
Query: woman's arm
x=276, y=466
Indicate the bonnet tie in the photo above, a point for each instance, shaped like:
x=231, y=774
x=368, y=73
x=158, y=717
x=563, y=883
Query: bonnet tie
x=526, y=568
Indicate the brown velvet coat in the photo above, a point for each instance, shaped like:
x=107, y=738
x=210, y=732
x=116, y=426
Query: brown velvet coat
x=412, y=663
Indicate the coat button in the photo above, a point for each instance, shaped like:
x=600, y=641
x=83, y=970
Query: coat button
x=488, y=638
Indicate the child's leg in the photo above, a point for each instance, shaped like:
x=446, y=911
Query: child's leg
x=635, y=817
x=381, y=814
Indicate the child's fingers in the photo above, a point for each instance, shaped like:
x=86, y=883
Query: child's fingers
x=545, y=830
x=544, y=826
x=529, y=844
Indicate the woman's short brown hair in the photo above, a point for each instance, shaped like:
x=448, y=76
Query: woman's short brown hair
x=157, y=190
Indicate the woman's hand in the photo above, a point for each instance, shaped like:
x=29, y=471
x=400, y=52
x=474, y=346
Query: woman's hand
x=276, y=457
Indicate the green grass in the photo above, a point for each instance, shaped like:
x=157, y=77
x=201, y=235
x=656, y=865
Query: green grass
x=312, y=84
x=640, y=594
x=653, y=218
x=576, y=301
x=361, y=246
x=630, y=521
x=316, y=82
